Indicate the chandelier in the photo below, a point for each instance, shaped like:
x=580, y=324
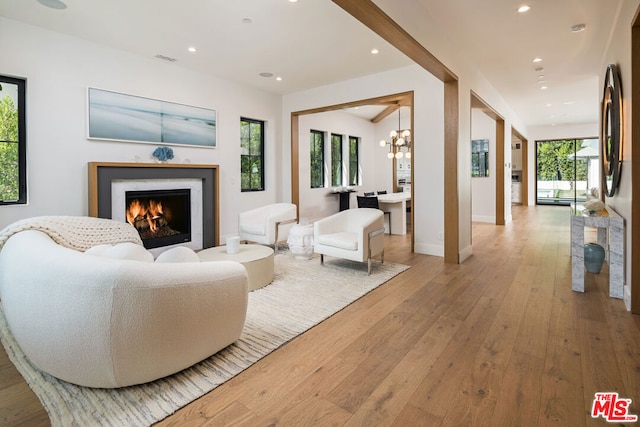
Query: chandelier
x=400, y=144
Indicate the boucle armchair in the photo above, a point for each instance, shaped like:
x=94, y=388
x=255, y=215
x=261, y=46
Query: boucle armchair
x=104, y=322
x=354, y=234
x=267, y=224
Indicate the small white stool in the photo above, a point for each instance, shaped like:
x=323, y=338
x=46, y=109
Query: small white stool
x=256, y=259
x=301, y=241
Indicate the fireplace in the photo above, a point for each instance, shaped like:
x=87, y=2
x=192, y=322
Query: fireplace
x=112, y=186
x=162, y=217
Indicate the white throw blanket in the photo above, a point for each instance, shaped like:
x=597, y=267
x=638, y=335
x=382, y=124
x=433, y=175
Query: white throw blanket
x=75, y=232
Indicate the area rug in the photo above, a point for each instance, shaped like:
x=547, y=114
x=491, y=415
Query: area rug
x=303, y=294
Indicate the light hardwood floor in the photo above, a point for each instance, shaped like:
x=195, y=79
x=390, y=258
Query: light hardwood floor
x=500, y=340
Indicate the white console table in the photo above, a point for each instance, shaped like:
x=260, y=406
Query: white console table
x=613, y=243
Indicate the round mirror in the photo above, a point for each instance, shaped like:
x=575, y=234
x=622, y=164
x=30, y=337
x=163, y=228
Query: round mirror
x=611, y=131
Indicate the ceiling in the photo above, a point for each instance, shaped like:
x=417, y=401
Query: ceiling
x=311, y=43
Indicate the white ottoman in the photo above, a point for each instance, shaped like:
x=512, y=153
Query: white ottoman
x=256, y=259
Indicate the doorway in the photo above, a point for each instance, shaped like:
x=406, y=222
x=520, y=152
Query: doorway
x=389, y=104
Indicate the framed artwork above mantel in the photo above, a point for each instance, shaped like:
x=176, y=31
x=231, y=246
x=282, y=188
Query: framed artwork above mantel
x=113, y=116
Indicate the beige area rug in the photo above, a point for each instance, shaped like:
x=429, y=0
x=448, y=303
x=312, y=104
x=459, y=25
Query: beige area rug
x=303, y=294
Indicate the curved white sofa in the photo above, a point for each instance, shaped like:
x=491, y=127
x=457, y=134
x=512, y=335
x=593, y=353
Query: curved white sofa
x=104, y=322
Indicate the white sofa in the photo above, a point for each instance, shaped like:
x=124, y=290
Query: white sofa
x=354, y=234
x=267, y=224
x=105, y=322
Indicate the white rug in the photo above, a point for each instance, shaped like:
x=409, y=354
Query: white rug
x=303, y=294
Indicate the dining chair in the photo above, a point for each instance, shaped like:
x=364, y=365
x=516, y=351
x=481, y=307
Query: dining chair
x=372, y=202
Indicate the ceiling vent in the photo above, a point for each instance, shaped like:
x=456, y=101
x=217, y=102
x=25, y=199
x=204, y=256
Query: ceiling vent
x=166, y=58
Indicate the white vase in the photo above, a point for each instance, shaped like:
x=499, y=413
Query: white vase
x=233, y=244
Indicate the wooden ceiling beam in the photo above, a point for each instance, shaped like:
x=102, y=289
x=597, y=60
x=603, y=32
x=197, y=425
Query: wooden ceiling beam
x=385, y=113
x=375, y=19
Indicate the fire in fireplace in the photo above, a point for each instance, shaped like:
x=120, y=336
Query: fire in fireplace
x=162, y=217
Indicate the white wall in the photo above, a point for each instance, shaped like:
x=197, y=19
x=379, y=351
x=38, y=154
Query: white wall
x=59, y=68
x=428, y=140
x=619, y=52
x=483, y=189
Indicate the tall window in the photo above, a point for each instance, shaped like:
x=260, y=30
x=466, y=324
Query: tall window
x=353, y=160
x=336, y=160
x=316, y=149
x=251, y=154
x=13, y=141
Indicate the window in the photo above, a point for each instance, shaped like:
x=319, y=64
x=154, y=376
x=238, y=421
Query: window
x=13, y=159
x=251, y=155
x=480, y=158
x=336, y=160
x=566, y=170
x=353, y=161
x=316, y=149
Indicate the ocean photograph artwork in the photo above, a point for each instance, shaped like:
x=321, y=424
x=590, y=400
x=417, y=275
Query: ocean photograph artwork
x=116, y=116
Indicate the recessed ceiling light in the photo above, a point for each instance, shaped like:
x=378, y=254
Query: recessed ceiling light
x=544, y=87
x=279, y=78
x=292, y=1
x=536, y=60
x=53, y=4
x=266, y=74
x=524, y=8
x=539, y=70
x=191, y=49
x=541, y=77
x=569, y=102
x=247, y=20
x=375, y=51
x=549, y=105
x=578, y=28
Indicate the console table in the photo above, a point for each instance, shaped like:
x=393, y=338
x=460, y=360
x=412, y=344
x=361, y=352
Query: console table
x=344, y=198
x=613, y=245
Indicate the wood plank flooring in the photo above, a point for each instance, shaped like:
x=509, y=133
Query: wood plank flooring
x=500, y=340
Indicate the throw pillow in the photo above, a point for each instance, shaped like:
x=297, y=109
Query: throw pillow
x=178, y=254
x=98, y=249
x=129, y=251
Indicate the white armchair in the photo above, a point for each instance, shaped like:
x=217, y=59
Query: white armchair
x=354, y=234
x=268, y=224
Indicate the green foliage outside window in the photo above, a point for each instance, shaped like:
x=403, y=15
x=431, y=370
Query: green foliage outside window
x=336, y=160
x=556, y=162
x=353, y=161
x=9, y=144
x=251, y=155
x=316, y=149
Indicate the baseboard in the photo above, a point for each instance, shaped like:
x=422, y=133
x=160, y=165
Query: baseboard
x=427, y=249
x=627, y=297
x=465, y=253
x=482, y=218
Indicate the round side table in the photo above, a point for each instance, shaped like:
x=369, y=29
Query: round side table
x=301, y=241
x=256, y=259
